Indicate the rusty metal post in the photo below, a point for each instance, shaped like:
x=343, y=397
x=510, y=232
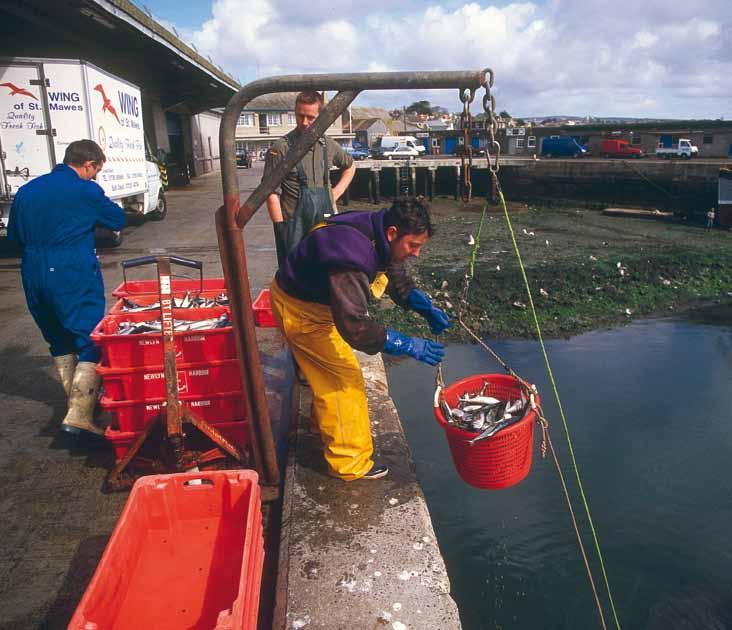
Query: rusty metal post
x=377, y=188
x=172, y=411
x=413, y=179
x=231, y=217
x=457, y=183
x=432, y=177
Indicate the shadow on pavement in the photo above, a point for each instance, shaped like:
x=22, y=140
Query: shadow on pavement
x=81, y=570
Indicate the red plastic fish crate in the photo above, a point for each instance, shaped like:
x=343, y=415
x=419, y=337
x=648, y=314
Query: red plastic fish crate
x=122, y=351
x=149, y=298
x=178, y=286
x=134, y=415
x=187, y=552
x=263, y=310
x=502, y=460
x=235, y=432
x=149, y=382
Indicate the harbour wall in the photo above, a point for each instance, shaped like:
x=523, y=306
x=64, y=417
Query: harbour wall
x=679, y=186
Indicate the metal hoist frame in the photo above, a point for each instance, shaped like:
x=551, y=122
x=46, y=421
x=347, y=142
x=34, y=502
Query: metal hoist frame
x=232, y=216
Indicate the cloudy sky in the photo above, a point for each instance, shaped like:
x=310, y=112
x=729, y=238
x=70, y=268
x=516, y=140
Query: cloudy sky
x=644, y=58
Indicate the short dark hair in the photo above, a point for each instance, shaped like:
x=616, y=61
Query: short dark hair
x=410, y=215
x=79, y=152
x=310, y=98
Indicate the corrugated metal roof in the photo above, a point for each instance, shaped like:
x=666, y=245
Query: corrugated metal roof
x=279, y=102
x=143, y=18
x=363, y=125
x=363, y=113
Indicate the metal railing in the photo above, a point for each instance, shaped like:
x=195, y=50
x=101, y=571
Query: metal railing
x=233, y=216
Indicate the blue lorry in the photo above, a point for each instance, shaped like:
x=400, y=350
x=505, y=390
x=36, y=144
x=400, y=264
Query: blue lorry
x=562, y=146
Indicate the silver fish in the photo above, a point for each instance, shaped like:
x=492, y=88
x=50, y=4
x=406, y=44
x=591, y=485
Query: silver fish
x=180, y=325
x=495, y=428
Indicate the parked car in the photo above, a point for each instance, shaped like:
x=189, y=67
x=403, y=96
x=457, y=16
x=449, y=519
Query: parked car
x=400, y=153
x=619, y=149
x=460, y=150
x=562, y=146
x=243, y=158
x=358, y=153
x=684, y=149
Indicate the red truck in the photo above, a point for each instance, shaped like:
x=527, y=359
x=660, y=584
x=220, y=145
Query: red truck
x=619, y=149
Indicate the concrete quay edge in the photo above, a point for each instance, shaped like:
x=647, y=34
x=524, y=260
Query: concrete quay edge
x=361, y=554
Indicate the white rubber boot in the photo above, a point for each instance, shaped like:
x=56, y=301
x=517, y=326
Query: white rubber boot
x=82, y=399
x=65, y=366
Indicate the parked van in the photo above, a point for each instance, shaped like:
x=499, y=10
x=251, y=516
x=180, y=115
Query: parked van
x=619, y=149
x=389, y=143
x=45, y=104
x=562, y=146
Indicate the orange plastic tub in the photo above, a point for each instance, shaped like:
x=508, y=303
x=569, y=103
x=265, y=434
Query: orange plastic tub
x=187, y=552
x=500, y=461
x=262, y=308
x=179, y=286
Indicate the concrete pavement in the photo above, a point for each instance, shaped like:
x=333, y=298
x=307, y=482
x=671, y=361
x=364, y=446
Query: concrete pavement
x=55, y=520
x=356, y=555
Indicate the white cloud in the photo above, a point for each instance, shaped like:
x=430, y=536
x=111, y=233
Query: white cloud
x=563, y=56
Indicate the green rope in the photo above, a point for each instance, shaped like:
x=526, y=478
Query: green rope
x=559, y=402
x=473, y=254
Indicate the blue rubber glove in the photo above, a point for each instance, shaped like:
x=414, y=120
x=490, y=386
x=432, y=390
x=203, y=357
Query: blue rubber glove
x=420, y=302
x=429, y=352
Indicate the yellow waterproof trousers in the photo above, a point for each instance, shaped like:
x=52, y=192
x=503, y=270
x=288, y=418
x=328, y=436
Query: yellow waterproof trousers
x=339, y=399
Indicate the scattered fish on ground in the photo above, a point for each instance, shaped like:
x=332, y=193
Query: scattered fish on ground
x=484, y=415
x=179, y=325
x=187, y=301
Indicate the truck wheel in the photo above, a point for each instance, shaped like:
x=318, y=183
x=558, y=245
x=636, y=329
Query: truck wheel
x=161, y=209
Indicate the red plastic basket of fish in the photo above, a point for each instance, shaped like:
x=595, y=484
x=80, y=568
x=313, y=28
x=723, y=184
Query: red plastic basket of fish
x=149, y=382
x=235, y=432
x=134, y=415
x=179, y=286
x=150, y=302
x=187, y=552
x=501, y=460
x=137, y=350
x=263, y=310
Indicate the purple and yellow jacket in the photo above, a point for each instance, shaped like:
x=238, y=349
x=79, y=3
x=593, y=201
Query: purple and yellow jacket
x=335, y=265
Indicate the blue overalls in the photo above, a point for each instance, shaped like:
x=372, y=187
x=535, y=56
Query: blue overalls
x=53, y=219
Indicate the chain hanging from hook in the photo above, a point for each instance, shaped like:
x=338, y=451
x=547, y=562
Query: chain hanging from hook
x=466, y=155
x=493, y=150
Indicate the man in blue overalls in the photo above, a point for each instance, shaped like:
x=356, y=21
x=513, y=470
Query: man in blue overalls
x=306, y=197
x=53, y=219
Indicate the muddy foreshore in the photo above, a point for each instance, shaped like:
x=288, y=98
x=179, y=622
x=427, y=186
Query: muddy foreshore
x=585, y=270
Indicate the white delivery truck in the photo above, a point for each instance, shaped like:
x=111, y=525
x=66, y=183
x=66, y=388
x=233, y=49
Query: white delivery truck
x=389, y=143
x=684, y=149
x=45, y=104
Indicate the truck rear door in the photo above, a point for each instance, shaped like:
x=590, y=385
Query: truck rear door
x=26, y=147
x=116, y=125
x=67, y=106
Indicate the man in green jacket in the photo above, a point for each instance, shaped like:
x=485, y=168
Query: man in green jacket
x=306, y=196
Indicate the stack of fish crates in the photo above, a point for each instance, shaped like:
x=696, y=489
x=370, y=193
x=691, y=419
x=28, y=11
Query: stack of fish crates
x=133, y=379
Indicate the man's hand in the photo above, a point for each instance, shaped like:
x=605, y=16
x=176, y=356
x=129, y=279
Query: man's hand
x=343, y=182
x=420, y=302
x=398, y=344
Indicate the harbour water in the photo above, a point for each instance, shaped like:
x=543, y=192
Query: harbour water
x=649, y=412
